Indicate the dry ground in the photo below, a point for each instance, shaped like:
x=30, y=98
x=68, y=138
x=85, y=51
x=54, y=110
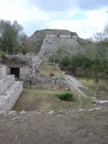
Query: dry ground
x=53, y=121
x=60, y=127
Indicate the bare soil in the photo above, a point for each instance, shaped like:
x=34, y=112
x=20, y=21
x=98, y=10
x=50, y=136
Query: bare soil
x=55, y=127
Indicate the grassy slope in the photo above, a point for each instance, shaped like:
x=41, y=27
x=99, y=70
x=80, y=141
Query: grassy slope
x=43, y=99
x=90, y=83
x=46, y=69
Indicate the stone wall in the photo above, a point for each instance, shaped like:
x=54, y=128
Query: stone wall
x=2, y=71
x=27, y=65
x=5, y=82
x=53, y=43
x=59, y=36
x=10, y=90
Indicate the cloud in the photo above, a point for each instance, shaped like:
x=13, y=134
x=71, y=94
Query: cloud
x=30, y=19
x=64, y=5
x=92, y=4
x=53, y=5
x=93, y=22
x=81, y=16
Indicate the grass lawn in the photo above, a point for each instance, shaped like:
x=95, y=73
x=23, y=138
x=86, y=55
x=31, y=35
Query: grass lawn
x=47, y=68
x=43, y=99
x=90, y=83
x=35, y=99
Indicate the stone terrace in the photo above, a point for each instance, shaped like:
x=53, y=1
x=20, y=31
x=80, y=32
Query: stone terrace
x=9, y=90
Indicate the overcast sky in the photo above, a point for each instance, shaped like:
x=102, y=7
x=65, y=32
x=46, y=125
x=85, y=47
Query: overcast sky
x=86, y=17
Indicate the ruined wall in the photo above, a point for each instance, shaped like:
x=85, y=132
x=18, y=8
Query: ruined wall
x=2, y=71
x=28, y=69
x=52, y=43
x=23, y=63
x=25, y=70
x=59, y=36
x=10, y=90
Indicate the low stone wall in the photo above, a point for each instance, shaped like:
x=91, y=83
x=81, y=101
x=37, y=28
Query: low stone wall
x=2, y=71
x=10, y=90
x=10, y=96
x=6, y=82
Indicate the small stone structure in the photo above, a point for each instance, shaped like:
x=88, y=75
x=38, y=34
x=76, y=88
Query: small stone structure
x=21, y=66
x=25, y=68
x=9, y=90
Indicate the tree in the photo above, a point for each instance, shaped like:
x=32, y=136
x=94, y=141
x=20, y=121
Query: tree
x=9, y=35
x=100, y=64
x=99, y=37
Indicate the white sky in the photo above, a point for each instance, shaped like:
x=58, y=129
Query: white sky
x=86, y=17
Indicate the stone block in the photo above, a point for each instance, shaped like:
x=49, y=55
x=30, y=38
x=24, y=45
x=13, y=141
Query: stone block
x=6, y=82
x=10, y=96
x=2, y=71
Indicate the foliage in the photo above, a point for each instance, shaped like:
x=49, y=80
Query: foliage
x=12, y=40
x=89, y=47
x=2, y=55
x=52, y=74
x=75, y=61
x=65, y=97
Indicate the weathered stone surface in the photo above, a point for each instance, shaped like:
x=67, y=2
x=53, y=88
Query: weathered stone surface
x=46, y=41
x=27, y=65
x=2, y=71
x=9, y=90
x=10, y=96
x=51, y=44
x=6, y=82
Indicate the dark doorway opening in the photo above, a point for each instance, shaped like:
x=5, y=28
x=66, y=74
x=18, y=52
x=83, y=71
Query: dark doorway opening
x=15, y=71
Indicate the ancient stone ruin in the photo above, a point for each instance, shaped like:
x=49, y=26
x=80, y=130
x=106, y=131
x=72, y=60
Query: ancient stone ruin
x=25, y=68
x=10, y=90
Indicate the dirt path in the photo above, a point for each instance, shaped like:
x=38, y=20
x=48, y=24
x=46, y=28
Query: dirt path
x=62, y=127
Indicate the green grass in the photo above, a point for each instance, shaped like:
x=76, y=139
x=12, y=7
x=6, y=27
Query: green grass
x=47, y=68
x=43, y=99
x=34, y=99
x=90, y=83
x=65, y=96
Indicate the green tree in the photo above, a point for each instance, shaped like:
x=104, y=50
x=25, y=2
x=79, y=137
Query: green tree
x=100, y=63
x=9, y=35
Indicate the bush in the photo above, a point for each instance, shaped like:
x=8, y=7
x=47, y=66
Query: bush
x=51, y=74
x=65, y=97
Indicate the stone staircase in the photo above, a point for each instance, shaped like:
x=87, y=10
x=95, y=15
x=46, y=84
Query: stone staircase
x=76, y=82
x=10, y=90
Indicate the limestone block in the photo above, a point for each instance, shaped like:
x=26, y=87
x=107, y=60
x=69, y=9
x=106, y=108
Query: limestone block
x=2, y=71
x=6, y=82
x=10, y=96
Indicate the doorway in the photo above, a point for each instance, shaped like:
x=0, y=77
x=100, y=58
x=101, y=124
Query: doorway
x=15, y=71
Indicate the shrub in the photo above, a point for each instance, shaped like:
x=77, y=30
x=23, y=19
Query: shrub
x=51, y=74
x=65, y=97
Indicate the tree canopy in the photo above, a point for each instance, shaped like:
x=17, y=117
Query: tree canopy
x=11, y=36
